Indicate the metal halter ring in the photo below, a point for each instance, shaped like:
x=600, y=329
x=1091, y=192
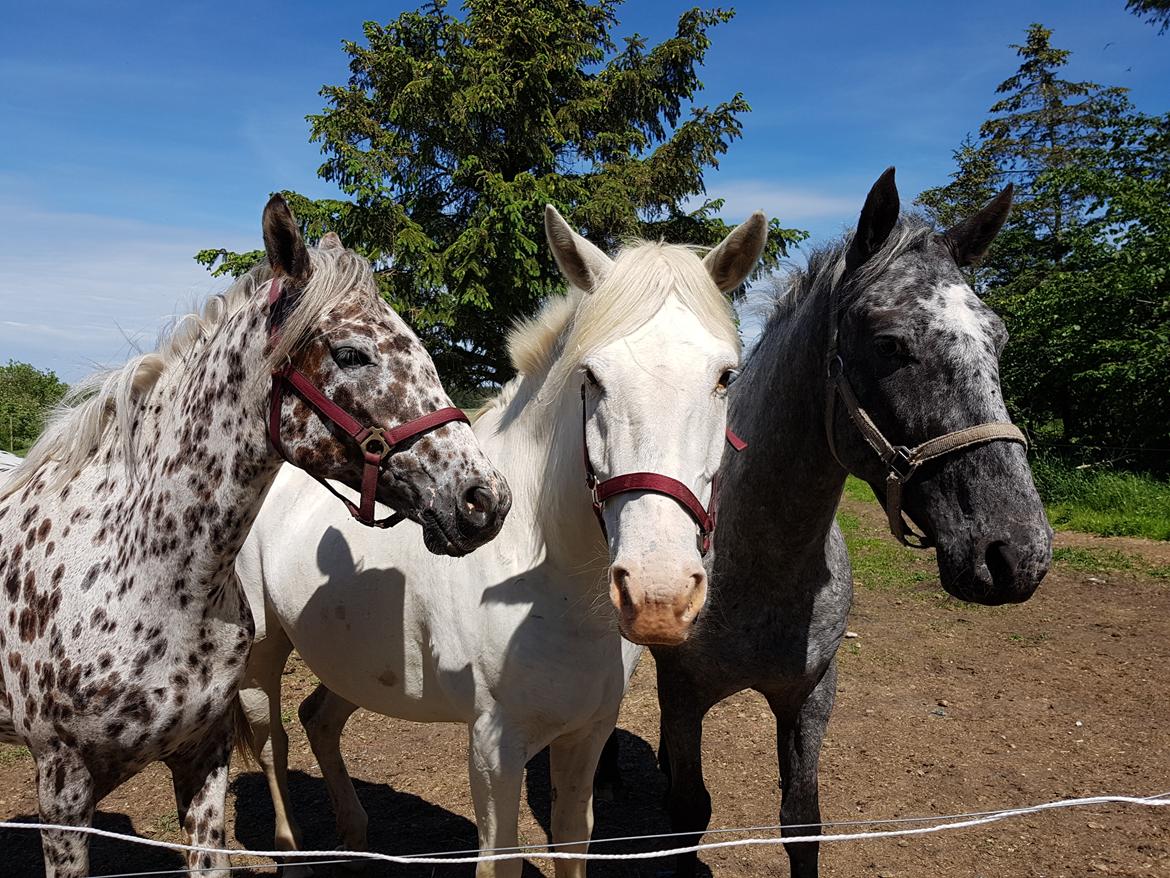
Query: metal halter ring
x=376, y=434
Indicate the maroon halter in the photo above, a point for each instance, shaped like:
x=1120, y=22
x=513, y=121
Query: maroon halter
x=376, y=443
x=655, y=483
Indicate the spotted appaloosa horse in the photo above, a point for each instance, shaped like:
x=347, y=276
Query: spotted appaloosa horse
x=125, y=632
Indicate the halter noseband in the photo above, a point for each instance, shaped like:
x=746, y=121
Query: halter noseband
x=901, y=462
x=600, y=491
x=376, y=443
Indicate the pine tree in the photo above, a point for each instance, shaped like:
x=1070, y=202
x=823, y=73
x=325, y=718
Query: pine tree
x=1081, y=271
x=974, y=182
x=454, y=131
x=1039, y=125
x=1155, y=12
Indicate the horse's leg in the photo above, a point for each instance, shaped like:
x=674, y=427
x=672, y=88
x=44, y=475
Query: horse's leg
x=65, y=790
x=687, y=798
x=497, y=754
x=607, y=783
x=324, y=715
x=798, y=746
x=260, y=699
x=572, y=763
x=663, y=754
x=200, y=777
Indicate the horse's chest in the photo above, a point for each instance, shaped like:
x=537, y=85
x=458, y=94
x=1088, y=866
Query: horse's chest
x=132, y=657
x=758, y=641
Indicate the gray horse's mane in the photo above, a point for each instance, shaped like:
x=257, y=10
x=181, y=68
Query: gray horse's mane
x=107, y=401
x=826, y=265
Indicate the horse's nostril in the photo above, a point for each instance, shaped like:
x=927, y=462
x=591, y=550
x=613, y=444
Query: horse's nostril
x=1001, y=563
x=620, y=589
x=478, y=502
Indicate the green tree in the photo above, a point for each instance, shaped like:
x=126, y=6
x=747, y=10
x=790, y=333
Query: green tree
x=974, y=182
x=26, y=396
x=1156, y=12
x=1079, y=273
x=1092, y=338
x=454, y=131
x=1039, y=125
x=1035, y=129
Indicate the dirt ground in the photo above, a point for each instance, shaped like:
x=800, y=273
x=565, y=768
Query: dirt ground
x=942, y=708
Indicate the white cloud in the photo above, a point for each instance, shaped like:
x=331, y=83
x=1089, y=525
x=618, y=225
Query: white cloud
x=77, y=289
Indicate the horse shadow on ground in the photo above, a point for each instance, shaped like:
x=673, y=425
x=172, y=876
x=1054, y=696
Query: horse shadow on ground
x=22, y=850
x=400, y=823
x=637, y=809
x=404, y=824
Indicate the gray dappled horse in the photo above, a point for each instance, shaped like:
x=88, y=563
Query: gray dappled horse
x=880, y=337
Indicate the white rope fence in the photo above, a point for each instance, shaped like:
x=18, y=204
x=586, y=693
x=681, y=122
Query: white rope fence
x=540, y=852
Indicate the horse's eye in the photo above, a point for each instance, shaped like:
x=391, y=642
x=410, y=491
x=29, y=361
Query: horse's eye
x=591, y=378
x=350, y=358
x=726, y=380
x=888, y=346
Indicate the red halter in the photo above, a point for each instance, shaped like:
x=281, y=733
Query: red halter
x=376, y=443
x=655, y=484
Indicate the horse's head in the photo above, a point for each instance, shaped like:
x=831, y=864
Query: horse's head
x=331, y=326
x=653, y=346
x=921, y=353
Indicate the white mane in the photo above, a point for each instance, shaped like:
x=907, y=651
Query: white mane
x=568, y=328
x=106, y=402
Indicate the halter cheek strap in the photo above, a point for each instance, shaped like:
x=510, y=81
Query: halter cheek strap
x=901, y=462
x=655, y=483
x=376, y=443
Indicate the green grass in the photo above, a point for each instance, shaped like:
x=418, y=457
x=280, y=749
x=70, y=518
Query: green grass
x=856, y=489
x=1103, y=501
x=165, y=824
x=879, y=562
x=1094, y=560
x=10, y=753
x=1096, y=500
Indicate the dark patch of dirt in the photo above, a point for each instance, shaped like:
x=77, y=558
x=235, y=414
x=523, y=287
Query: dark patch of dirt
x=942, y=708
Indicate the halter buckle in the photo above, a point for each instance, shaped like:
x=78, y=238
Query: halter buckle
x=900, y=463
x=592, y=485
x=375, y=434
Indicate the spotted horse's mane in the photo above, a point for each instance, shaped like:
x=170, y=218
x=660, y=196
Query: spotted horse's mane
x=108, y=401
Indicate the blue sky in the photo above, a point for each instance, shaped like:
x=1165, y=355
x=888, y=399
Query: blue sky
x=137, y=133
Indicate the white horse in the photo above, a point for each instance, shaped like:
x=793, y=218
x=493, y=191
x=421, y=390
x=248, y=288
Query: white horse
x=516, y=640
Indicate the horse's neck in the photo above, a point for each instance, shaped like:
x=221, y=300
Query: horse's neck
x=204, y=462
x=782, y=492
x=551, y=510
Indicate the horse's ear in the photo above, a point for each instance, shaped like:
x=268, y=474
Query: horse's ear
x=286, y=249
x=970, y=239
x=737, y=255
x=330, y=241
x=878, y=218
x=582, y=264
